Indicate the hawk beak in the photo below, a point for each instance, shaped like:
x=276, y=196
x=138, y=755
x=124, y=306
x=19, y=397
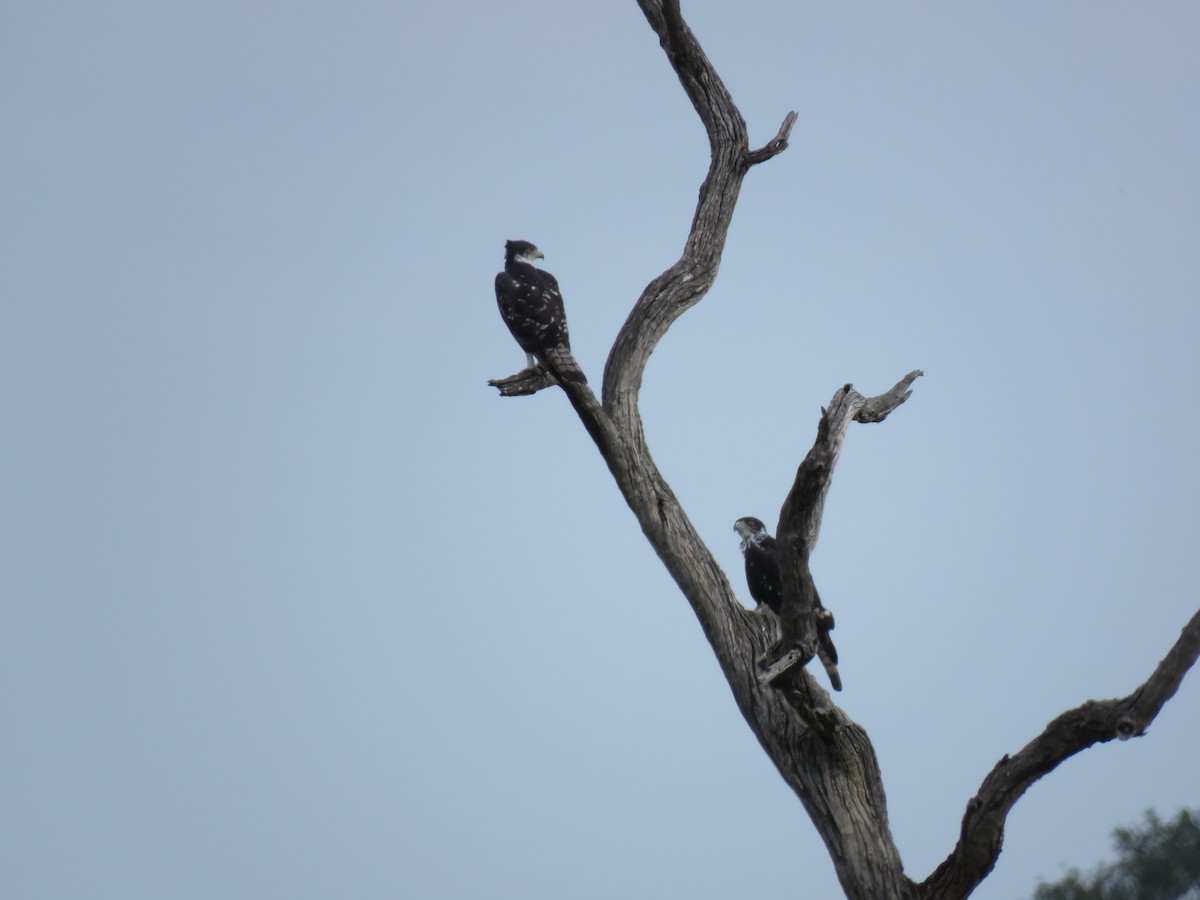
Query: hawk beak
x=539, y=255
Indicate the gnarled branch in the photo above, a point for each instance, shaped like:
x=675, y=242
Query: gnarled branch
x=1094, y=722
x=776, y=145
x=687, y=281
x=800, y=518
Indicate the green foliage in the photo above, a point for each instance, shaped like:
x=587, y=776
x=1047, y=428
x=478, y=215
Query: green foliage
x=1157, y=861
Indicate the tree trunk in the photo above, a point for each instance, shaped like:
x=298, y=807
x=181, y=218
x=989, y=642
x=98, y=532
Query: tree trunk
x=825, y=757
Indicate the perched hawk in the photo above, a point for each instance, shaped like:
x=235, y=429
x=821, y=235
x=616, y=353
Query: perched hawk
x=532, y=308
x=762, y=576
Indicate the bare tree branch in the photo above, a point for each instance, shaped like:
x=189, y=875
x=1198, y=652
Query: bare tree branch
x=800, y=519
x=1094, y=722
x=776, y=145
x=524, y=383
x=683, y=285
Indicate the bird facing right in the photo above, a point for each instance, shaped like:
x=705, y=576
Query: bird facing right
x=532, y=308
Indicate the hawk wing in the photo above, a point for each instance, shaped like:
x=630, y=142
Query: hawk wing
x=762, y=574
x=766, y=586
x=533, y=311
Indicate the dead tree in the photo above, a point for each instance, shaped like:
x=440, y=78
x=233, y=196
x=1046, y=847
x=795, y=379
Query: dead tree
x=824, y=756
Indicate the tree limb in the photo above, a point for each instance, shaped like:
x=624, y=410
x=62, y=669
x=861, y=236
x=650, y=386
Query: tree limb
x=687, y=281
x=776, y=145
x=800, y=519
x=524, y=383
x=1094, y=722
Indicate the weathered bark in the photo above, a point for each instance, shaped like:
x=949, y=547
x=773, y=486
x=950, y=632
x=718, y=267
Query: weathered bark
x=825, y=757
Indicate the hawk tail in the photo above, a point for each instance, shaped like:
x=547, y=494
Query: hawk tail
x=560, y=361
x=827, y=653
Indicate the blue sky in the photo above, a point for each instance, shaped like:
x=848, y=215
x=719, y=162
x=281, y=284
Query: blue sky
x=292, y=605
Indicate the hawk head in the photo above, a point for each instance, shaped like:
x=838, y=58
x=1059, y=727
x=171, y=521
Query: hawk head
x=522, y=251
x=750, y=530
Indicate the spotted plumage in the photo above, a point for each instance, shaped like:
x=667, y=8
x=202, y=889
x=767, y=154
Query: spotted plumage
x=532, y=308
x=762, y=577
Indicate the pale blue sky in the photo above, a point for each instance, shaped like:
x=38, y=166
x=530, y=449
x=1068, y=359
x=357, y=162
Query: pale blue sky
x=292, y=605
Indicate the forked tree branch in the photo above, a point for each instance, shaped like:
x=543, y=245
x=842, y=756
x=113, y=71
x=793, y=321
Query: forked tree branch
x=800, y=518
x=824, y=756
x=776, y=145
x=681, y=286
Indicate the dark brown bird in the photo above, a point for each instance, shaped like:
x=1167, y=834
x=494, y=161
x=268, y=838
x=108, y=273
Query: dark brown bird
x=762, y=576
x=532, y=308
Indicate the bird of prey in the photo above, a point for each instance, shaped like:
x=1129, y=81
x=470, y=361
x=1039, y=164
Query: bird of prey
x=532, y=308
x=762, y=577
